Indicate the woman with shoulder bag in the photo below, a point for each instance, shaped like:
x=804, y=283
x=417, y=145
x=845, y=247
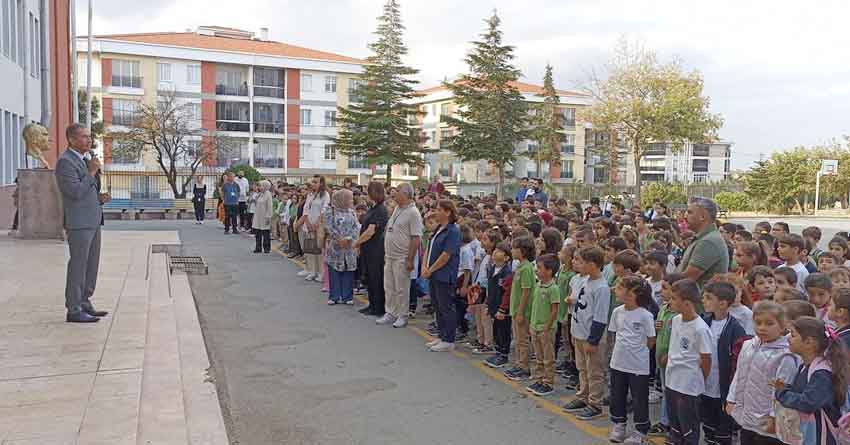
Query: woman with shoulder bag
x=316, y=202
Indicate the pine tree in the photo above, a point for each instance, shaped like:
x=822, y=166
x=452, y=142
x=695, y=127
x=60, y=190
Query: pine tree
x=377, y=127
x=548, y=125
x=492, y=115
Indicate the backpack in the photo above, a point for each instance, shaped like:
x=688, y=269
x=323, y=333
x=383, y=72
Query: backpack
x=840, y=433
x=786, y=420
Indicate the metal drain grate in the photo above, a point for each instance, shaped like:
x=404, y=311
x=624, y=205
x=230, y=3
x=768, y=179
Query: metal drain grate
x=188, y=264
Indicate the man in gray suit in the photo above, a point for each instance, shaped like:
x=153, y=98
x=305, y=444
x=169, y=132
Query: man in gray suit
x=76, y=176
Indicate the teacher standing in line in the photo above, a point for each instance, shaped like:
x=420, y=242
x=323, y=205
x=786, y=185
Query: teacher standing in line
x=81, y=199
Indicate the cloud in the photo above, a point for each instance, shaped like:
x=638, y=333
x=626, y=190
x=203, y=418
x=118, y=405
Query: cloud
x=776, y=70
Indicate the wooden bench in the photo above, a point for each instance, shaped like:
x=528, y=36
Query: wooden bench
x=133, y=207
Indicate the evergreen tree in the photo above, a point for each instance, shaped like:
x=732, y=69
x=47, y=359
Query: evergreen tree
x=548, y=126
x=377, y=127
x=492, y=115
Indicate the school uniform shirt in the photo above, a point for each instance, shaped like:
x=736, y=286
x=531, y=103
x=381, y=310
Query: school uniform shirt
x=688, y=341
x=633, y=328
x=523, y=279
x=542, y=299
x=563, y=279
x=467, y=260
x=656, y=290
x=608, y=273
x=744, y=315
x=591, y=308
x=712, y=383
x=802, y=273
x=480, y=276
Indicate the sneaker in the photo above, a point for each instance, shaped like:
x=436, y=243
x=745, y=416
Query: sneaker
x=532, y=387
x=637, y=438
x=658, y=430
x=386, y=319
x=607, y=401
x=511, y=371
x=541, y=389
x=411, y=315
x=589, y=413
x=460, y=336
x=365, y=311
x=522, y=374
x=618, y=433
x=400, y=322
x=442, y=347
x=433, y=332
x=331, y=302
x=303, y=273
x=561, y=368
x=571, y=383
x=496, y=361
x=655, y=397
x=574, y=406
x=432, y=343
x=484, y=350
x=432, y=325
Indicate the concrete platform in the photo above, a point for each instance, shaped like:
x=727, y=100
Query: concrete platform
x=139, y=376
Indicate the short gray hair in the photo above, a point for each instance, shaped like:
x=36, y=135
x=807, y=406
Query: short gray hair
x=706, y=204
x=405, y=188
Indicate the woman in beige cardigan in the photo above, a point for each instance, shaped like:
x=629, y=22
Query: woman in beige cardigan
x=263, y=219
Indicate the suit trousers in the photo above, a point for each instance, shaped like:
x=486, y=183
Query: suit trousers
x=84, y=246
x=396, y=287
x=373, y=267
x=262, y=240
x=199, y=210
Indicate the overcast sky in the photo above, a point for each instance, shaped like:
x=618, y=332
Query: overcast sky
x=778, y=71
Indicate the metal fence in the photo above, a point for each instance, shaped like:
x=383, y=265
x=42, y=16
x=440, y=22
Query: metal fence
x=151, y=185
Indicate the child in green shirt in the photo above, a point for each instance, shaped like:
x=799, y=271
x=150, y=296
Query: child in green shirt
x=522, y=286
x=544, y=314
x=662, y=344
x=565, y=274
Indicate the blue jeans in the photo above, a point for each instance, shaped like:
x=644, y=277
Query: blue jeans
x=341, y=285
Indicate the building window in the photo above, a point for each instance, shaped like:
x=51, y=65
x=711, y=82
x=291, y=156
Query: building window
x=701, y=150
x=32, y=44
x=22, y=33
x=445, y=134
x=163, y=72
x=268, y=154
x=444, y=109
x=126, y=73
x=193, y=111
x=7, y=27
x=302, y=153
x=306, y=117
x=330, y=118
x=231, y=81
x=567, y=169
x=330, y=84
x=568, y=146
x=124, y=111
x=193, y=74
x=532, y=148
x=268, y=118
x=232, y=116
x=700, y=165
x=357, y=162
x=353, y=90
x=306, y=82
x=268, y=82
x=330, y=152
x=569, y=117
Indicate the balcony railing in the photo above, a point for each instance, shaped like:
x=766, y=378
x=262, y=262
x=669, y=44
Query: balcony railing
x=126, y=81
x=569, y=123
x=269, y=127
x=123, y=119
x=233, y=126
x=231, y=90
x=268, y=162
x=568, y=149
x=266, y=91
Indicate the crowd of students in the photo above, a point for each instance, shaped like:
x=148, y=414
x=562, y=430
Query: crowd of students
x=631, y=306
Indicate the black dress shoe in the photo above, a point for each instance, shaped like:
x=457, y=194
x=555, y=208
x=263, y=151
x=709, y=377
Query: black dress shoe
x=81, y=317
x=366, y=310
x=258, y=251
x=95, y=313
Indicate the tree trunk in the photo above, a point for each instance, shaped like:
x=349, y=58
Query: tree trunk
x=500, y=189
x=636, y=154
x=390, y=174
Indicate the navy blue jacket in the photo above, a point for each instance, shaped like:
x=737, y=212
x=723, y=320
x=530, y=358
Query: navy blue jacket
x=446, y=239
x=810, y=396
x=495, y=290
x=732, y=333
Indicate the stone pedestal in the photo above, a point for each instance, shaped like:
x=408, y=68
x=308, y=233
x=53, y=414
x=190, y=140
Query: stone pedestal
x=40, y=205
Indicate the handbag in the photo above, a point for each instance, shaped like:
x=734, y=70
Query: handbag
x=311, y=245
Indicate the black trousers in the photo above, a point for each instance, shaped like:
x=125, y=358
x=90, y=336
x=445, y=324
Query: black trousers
x=716, y=424
x=502, y=335
x=460, y=312
x=683, y=412
x=753, y=438
x=373, y=269
x=263, y=240
x=230, y=217
x=444, y=299
x=623, y=383
x=199, y=210
x=249, y=220
x=243, y=219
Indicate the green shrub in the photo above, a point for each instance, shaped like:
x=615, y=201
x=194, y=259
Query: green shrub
x=251, y=173
x=733, y=201
x=662, y=192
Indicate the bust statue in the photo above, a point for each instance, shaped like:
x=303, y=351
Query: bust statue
x=38, y=142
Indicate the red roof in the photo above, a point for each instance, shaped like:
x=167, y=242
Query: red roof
x=523, y=87
x=199, y=41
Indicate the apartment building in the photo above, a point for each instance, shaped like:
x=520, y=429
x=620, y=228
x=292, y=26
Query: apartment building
x=277, y=101
x=661, y=162
x=438, y=101
x=35, y=75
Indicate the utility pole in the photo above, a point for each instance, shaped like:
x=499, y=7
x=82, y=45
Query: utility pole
x=72, y=17
x=88, y=73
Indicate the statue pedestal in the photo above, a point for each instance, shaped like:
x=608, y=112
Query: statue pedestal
x=39, y=205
